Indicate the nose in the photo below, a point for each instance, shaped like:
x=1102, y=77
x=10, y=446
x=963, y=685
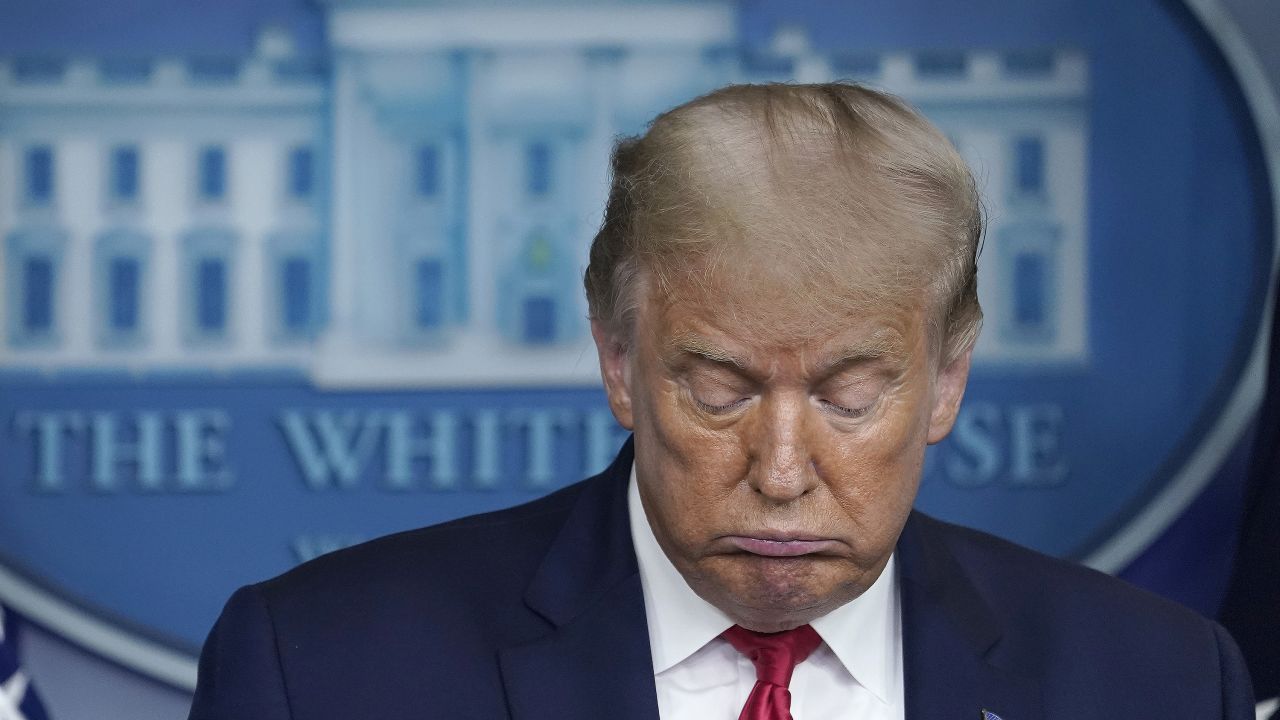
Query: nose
x=784, y=468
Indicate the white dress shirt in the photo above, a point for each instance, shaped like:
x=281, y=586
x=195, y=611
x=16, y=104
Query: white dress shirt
x=855, y=673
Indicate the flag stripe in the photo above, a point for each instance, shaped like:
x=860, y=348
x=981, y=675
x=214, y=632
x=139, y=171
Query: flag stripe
x=18, y=699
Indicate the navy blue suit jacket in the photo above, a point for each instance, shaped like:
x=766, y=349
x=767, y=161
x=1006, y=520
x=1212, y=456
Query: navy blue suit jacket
x=537, y=612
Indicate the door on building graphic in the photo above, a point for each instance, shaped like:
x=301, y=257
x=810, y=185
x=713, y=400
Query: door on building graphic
x=539, y=320
x=537, y=296
x=428, y=294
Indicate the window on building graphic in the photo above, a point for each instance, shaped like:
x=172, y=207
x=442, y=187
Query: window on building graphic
x=426, y=171
x=767, y=64
x=213, y=70
x=211, y=174
x=1029, y=166
x=539, y=320
x=1030, y=291
x=721, y=54
x=120, y=271
x=39, y=175
x=211, y=296
x=538, y=160
x=428, y=294
x=301, y=173
x=125, y=71
x=1029, y=63
x=125, y=172
x=297, y=313
x=941, y=65
x=300, y=70
x=37, y=294
x=38, y=70
x=855, y=65
x=124, y=285
x=296, y=285
x=30, y=283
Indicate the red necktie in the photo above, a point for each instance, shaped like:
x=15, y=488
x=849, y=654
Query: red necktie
x=775, y=656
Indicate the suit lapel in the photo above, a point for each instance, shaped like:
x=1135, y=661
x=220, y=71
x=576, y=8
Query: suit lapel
x=951, y=639
x=595, y=660
x=598, y=666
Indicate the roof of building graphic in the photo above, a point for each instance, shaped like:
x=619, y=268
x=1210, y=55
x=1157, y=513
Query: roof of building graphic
x=869, y=26
x=177, y=27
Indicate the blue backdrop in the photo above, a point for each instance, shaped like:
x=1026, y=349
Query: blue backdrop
x=279, y=277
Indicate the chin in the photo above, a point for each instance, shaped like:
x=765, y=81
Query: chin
x=776, y=595
x=774, y=619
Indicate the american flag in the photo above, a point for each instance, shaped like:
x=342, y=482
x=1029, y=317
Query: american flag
x=18, y=699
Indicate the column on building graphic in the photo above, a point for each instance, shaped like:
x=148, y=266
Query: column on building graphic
x=1028, y=246
x=399, y=251
x=537, y=286
x=184, y=228
x=431, y=237
x=535, y=109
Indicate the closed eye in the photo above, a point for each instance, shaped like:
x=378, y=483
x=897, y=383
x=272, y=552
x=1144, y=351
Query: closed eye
x=720, y=409
x=843, y=411
x=715, y=388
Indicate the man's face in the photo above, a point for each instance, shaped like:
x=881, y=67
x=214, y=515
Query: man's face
x=777, y=465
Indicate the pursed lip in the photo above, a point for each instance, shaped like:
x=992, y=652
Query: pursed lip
x=780, y=545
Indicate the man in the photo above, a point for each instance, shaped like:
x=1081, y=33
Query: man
x=783, y=297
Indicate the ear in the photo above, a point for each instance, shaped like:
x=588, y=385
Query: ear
x=948, y=391
x=615, y=369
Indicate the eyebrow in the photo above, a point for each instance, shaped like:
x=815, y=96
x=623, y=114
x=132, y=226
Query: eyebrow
x=691, y=344
x=883, y=344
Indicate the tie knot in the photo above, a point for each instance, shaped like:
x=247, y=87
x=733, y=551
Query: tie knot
x=775, y=655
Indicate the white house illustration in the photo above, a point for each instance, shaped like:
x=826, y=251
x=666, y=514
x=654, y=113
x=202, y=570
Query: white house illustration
x=415, y=207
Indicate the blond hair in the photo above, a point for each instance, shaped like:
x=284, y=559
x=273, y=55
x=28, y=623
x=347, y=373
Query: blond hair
x=819, y=177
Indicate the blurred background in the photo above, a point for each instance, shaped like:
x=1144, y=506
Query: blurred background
x=280, y=276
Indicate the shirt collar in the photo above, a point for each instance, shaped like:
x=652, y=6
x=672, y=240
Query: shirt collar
x=863, y=633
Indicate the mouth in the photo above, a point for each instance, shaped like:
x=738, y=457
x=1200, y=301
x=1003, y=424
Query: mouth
x=780, y=546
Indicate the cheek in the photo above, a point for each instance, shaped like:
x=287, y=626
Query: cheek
x=681, y=436
x=874, y=473
x=690, y=470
